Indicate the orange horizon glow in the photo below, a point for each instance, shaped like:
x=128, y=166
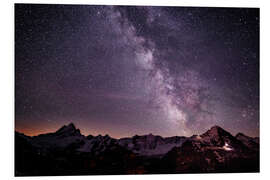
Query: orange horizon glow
x=28, y=131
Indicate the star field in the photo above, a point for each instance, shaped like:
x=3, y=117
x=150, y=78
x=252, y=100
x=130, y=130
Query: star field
x=126, y=70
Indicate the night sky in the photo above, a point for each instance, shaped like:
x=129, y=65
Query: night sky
x=122, y=70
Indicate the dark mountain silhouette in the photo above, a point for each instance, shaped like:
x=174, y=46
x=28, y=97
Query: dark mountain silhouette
x=248, y=141
x=214, y=151
x=68, y=152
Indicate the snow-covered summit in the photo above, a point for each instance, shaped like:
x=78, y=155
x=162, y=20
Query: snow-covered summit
x=151, y=144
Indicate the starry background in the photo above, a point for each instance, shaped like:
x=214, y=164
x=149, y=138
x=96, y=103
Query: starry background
x=126, y=70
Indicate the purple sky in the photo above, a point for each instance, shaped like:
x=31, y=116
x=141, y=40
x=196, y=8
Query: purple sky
x=123, y=71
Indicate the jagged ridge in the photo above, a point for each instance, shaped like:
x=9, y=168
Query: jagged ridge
x=216, y=150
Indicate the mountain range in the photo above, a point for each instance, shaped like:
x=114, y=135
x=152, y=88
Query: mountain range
x=68, y=152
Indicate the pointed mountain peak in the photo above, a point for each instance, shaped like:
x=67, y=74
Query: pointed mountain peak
x=217, y=136
x=216, y=130
x=216, y=133
x=71, y=125
x=69, y=129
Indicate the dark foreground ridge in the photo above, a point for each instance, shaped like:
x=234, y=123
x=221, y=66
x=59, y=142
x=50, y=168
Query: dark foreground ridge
x=68, y=152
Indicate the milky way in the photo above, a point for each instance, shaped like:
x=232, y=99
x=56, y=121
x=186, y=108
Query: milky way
x=123, y=70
